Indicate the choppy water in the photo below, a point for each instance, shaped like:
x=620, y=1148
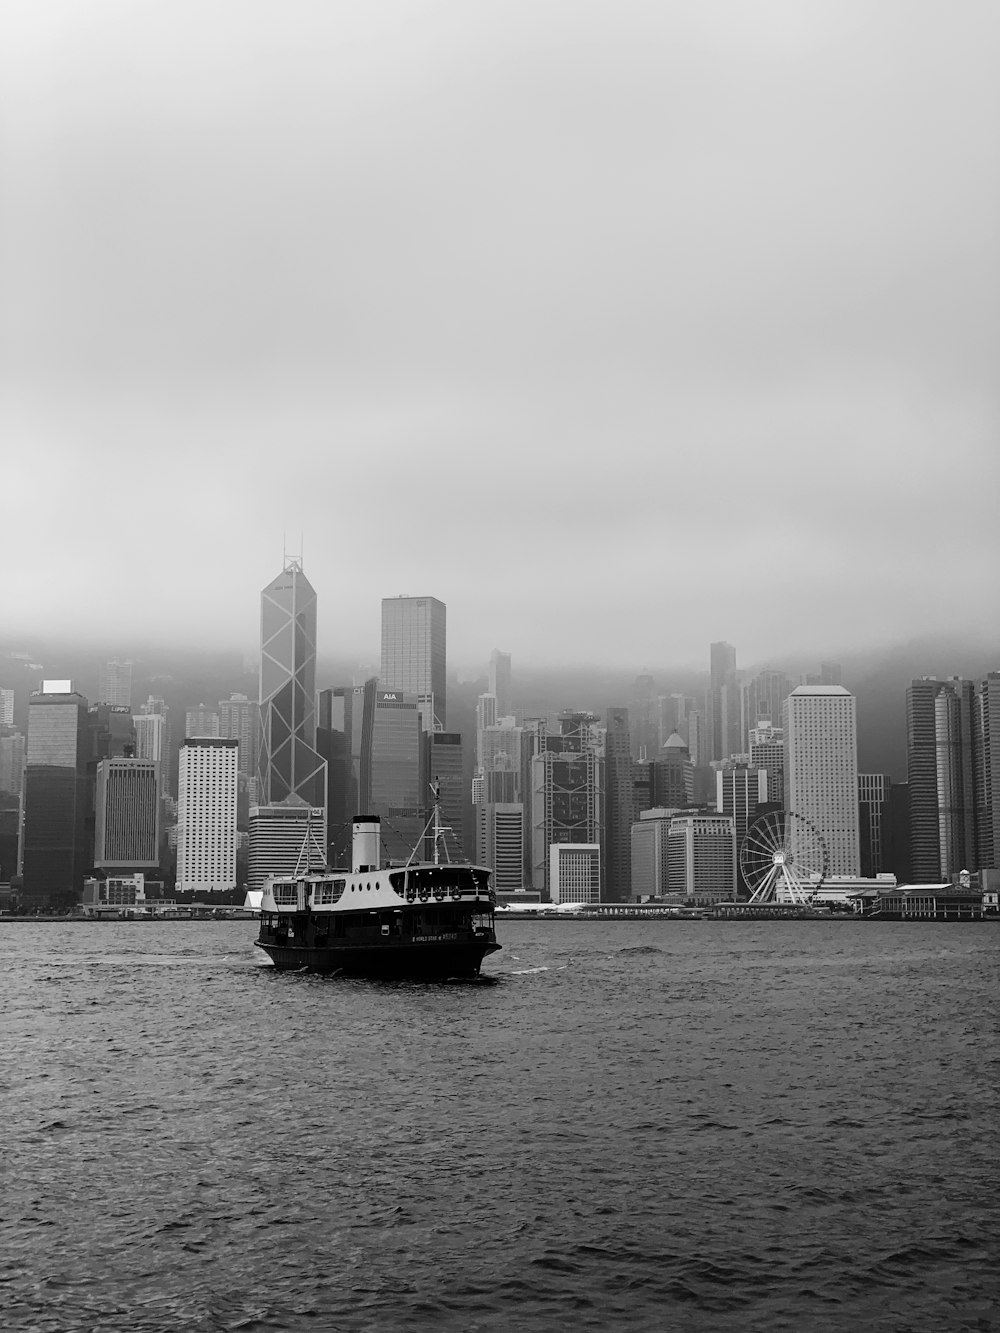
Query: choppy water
x=634, y=1126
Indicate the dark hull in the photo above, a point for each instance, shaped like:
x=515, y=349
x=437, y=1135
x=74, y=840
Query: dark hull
x=426, y=960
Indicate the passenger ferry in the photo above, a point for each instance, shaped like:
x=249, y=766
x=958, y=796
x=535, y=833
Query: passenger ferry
x=424, y=919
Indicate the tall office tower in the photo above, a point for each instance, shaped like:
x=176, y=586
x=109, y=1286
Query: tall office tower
x=672, y=774
x=501, y=766
x=821, y=769
x=567, y=791
x=112, y=733
x=986, y=732
x=127, y=815
x=206, y=814
x=114, y=683
x=649, y=853
x=201, y=721
x=150, y=736
x=6, y=708
x=873, y=796
x=288, y=763
x=500, y=840
x=701, y=858
x=575, y=872
x=155, y=706
x=940, y=774
x=643, y=713
x=12, y=758
x=642, y=785
x=767, y=750
x=344, y=741
x=762, y=698
x=724, y=704
x=56, y=804
x=486, y=716
x=413, y=654
x=830, y=673
x=896, y=854
x=500, y=682
x=698, y=738
x=741, y=794
x=619, y=808
x=283, y=839
x=399, y=790
x=446, y=774
x=10, y=843
x=238, y=719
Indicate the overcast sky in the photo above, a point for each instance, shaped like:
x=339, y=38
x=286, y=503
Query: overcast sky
x=620, y=327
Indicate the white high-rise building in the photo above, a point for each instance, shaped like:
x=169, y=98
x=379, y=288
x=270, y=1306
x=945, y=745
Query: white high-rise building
x=6, y=708
x=575, y=872
x=821, y=769
x=206, y=814
x=413, y=654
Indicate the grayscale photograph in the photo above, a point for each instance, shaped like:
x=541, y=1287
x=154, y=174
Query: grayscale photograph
x=500, y=666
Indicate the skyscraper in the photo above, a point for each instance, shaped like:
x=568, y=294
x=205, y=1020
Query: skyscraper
x=414, y=654
x=672, y=774
x=821, y=769
x=12, y=755
x=115, y=683
x=238, y=719
x=289, y=765
x=150, y=738
x=567, y=791
x=500, y=839
x=701, y=858
x=56, y=805
x=500, y=682
x=206, y=814
x=941, y=773
x=155, y=706
x=724, y=703
x=446, y=773
x=740, y=792
x=399, y=790
x=127, y=814
x=282, y=838
x=619, y=807
x=873, y=798
x=986, y=724
x=762, y=700
x=767, y=750
x=6, y=708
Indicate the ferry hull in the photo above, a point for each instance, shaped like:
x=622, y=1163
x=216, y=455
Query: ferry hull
x=426, y=961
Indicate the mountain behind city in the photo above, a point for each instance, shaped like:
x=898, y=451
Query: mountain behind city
x=186, y=677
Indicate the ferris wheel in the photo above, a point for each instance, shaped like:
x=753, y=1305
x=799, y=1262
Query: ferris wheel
x=783, y=859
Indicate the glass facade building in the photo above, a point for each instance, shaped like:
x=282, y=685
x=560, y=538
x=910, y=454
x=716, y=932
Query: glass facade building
x=413, y=654
x=56, y=806
x=398, y=791
x=289, y=764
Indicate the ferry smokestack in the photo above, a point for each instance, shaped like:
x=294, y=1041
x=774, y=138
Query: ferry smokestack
x=365, y=841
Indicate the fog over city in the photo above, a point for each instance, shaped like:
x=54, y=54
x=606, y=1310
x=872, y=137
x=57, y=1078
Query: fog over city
x=619, y=328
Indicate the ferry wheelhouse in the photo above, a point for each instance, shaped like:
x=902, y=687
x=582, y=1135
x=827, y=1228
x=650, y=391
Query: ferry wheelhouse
x=424, y=919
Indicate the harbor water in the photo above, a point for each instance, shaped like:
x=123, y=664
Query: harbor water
x=623, y=1125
